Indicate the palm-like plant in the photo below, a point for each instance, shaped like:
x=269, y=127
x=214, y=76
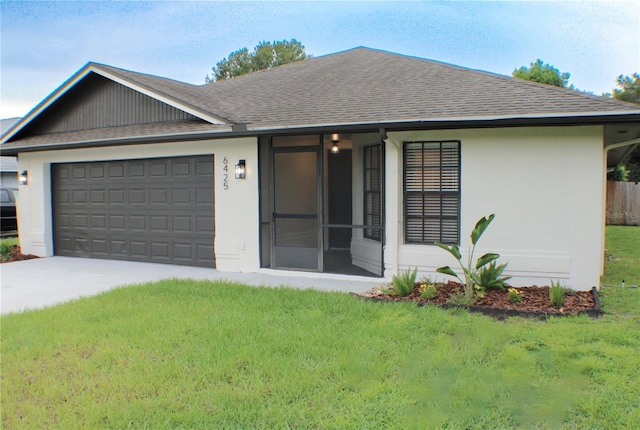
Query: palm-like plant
x=490, y=277
x=470, y=271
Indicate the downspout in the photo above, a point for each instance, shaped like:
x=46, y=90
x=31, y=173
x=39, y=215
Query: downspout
x=396, y=258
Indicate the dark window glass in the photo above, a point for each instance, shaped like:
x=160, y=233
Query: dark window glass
x=372, y=190
x=432, y=192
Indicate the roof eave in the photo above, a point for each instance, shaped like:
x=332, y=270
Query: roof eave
x=425, y=124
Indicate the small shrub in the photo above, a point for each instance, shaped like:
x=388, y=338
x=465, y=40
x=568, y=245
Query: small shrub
x=556, y=294
x=404, y=283
x=515, y=296
x=460, y=299
x=424, y=279
x=428, y=291
x=490, y=277
x=5, y=249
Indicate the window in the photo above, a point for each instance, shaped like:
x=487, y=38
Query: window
x=372, y=190
x=432, y=192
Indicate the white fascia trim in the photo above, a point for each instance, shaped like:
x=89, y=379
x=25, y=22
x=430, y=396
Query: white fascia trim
x=161, y=97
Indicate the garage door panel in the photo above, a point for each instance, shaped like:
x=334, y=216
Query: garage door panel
x=116, y=170
x=158, y=196
x=204, y=252
x=97, y=171
x=158, y=210
x=205, y=224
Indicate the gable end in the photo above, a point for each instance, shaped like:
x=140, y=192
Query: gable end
x=97, y=102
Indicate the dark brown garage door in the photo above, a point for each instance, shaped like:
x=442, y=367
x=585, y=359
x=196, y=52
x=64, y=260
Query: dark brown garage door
x=158, y=210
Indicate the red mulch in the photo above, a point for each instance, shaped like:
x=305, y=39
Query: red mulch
x=535, y=300
x=16, y=255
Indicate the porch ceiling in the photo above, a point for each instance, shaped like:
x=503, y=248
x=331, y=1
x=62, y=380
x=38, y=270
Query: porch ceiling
x=619, y=134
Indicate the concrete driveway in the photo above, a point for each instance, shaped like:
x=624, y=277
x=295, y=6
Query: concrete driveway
x=48, y=281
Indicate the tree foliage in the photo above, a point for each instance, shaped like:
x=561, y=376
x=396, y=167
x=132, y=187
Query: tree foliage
x=619, y=173
x=264, y=56
x=542, y=73
x=628, y=88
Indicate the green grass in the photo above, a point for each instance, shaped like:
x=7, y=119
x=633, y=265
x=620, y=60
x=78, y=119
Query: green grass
x=623, y=246
x=187, y=354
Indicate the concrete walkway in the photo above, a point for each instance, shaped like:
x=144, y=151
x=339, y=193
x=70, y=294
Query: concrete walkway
x=48, y=281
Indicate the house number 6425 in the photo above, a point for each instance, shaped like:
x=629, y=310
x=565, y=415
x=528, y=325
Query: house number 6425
x=225, y=175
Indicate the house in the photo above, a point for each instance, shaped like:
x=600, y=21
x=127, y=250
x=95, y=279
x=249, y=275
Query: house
x=8, y=165
x=354, y=162
x=9, y=172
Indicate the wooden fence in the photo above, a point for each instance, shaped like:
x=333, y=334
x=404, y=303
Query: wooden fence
x=623, y=203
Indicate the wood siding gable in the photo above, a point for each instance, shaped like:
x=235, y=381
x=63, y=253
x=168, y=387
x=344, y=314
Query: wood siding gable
x=98, y=102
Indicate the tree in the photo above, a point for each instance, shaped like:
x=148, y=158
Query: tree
x=542, y=73
x=629, y=88
x=619, y=173
x=264, y=56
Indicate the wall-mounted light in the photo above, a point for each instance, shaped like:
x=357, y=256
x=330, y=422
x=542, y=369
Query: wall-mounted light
x=23, y=178
x=241, y=169
x=335, y=149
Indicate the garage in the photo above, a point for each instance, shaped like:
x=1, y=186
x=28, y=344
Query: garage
x=158, y=210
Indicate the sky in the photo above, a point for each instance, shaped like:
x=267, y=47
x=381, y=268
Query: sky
x=42, y=44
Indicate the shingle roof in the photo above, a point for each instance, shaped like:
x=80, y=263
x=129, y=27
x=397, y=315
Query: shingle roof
x=367, y=86
x=126, y=132
x=360, y=86
x=189, y=94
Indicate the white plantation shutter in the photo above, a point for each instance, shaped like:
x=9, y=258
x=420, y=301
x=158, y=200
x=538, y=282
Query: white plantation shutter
x=432, y=192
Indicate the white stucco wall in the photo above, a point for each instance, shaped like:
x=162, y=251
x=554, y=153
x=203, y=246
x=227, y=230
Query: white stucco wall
x=236, y=208
x=545, y=186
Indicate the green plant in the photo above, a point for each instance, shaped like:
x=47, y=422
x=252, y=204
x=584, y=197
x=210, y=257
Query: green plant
x=470, y=271
x=556, y=294
x=428, y=291
x=460, y=299
x=515, y=296
x=490, y=277
x=6, y=245
x=404, y=283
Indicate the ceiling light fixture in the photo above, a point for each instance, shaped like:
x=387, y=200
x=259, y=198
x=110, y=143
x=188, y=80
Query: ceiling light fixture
x=335, y=149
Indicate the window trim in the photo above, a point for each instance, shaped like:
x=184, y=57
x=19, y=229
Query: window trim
x=423, y=192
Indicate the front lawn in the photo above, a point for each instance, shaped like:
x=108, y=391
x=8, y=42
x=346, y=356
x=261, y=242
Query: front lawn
x=187, y=354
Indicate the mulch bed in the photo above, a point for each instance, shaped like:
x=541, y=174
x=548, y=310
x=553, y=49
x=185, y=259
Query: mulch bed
x=16, y=255
x=535, y=301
